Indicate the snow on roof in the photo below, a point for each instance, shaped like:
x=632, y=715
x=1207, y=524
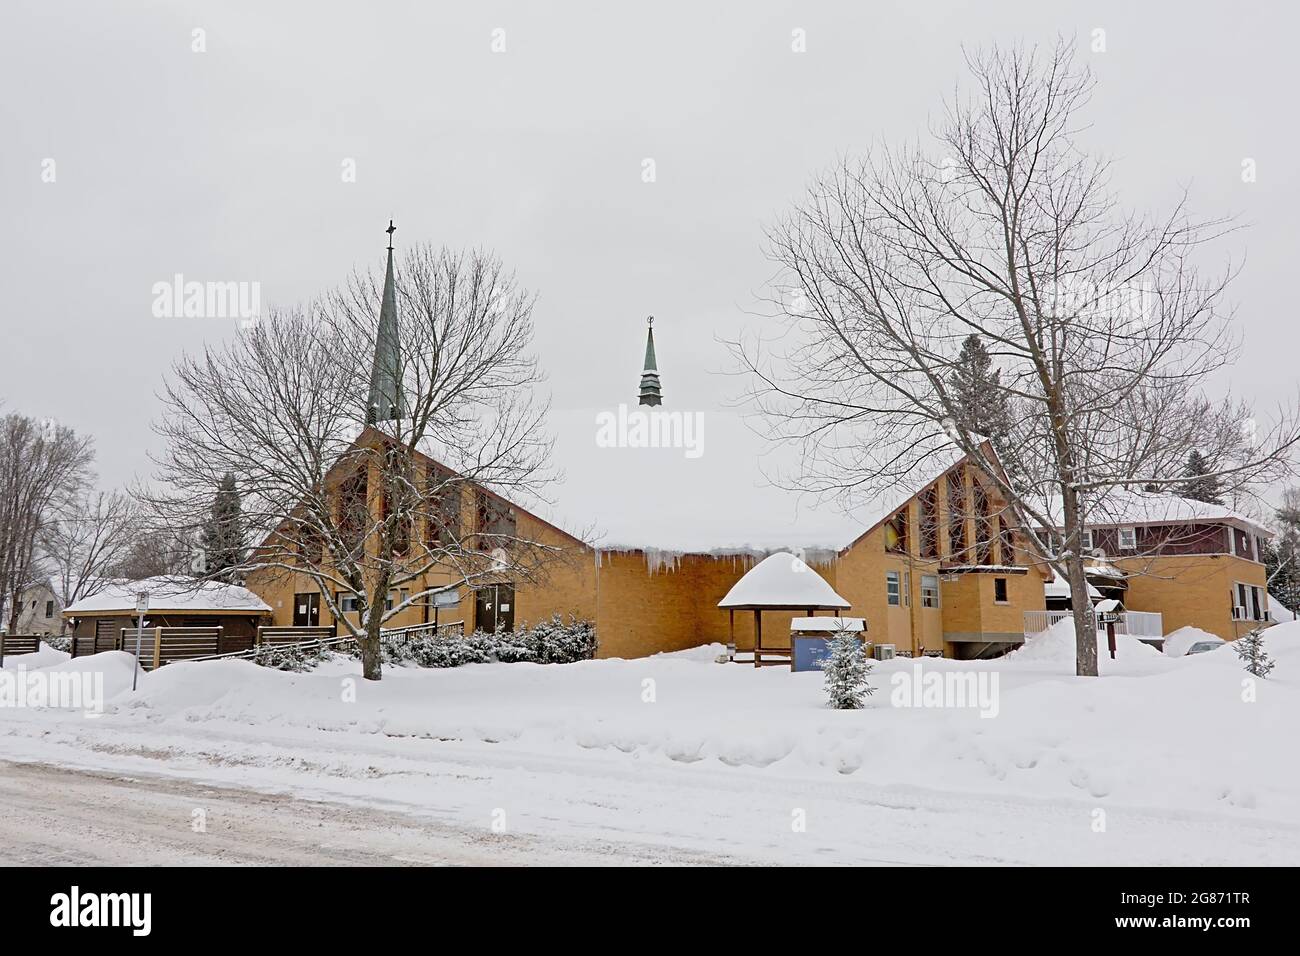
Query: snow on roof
x=1058, y=587
x=1122, y=506
x=170, y=594
x=828, y=624
x=782, y=581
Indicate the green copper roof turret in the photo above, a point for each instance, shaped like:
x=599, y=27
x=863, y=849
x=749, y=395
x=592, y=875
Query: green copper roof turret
x=650, y=391
x=385, y=401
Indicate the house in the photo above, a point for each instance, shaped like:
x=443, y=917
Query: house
x=39, y=612
x=1196, y=564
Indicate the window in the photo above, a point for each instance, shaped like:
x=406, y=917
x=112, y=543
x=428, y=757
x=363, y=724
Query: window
x=49, y=609
x=956, y=516
x=1128, y=539
x=896, y=532
x=893, y=590
x=984, y=520
x=929, y=522
x=443, y=507
x=929, y=590
x=999, y=590
x=1007, y=540
x=348, y=602
x=448, y=598
x=1085, y=539
x=496, y=521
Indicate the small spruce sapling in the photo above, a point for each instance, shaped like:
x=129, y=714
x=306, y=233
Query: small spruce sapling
x=846, y=668
x=1251, y=651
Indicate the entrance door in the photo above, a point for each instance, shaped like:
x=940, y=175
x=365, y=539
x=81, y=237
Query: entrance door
x=306, y=610
x=494, y=608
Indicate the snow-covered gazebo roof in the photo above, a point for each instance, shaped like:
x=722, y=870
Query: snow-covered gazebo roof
x=782, y=582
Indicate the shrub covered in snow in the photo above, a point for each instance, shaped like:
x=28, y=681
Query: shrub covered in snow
x=288, y=658
x=553, y=641
x=846, y=668
x=60, y=642
x=1251, y=651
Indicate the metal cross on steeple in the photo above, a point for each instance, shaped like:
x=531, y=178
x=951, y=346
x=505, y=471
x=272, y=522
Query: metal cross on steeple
x=390, y=230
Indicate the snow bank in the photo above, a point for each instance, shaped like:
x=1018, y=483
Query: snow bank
x=1056, y=645
x=45, y=656
x=1178, y=643
x=1156, y=732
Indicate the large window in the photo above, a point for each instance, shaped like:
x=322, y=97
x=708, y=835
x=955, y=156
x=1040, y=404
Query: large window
x=929, y=522
x=984, y=519
x=893, y=589
x=929, y=590
x=956, y=516
x=896, y=533
x=443, y=506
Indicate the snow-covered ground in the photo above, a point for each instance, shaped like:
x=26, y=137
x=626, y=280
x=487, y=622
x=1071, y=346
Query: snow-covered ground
x=1161, y=760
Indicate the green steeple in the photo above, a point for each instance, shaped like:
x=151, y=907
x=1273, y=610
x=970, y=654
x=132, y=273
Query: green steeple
x=650, y=392
x=385, y=401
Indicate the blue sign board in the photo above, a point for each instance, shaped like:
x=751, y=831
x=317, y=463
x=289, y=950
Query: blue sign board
x=809, y=652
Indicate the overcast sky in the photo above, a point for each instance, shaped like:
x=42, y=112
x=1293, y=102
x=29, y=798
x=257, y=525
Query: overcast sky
x=226, y=165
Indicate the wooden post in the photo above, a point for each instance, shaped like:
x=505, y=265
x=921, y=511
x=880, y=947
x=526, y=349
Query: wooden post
x=731, y=631
x=157, y=647
x=758, y=636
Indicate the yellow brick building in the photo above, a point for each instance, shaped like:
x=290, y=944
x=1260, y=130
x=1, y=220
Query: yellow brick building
x=944, y=572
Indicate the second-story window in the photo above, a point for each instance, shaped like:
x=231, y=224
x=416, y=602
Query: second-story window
x=1128, y=539
x=896, y=532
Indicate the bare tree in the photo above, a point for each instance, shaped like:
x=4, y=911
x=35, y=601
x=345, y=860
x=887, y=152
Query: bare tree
x=282, y=409
x=89, y=544
x=43, y=465
x=1101, y=322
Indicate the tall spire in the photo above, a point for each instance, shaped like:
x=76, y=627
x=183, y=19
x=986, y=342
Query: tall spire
x=650, y=392
x=385, y=401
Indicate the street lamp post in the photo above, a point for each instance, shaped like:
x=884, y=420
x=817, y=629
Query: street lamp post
x=141, y=606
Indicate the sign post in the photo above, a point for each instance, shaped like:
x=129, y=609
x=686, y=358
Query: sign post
x=1108, y=613
x=141, y=606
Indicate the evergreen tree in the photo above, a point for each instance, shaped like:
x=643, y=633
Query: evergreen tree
x=1251, y=651
x=1201, y=485
x=846, y=668
x=977, y=391
x=222, y=536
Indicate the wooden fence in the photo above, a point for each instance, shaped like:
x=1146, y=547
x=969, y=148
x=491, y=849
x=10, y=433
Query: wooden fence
x=14, y=644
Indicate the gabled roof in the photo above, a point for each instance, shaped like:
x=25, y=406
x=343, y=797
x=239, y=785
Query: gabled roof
x=373, y=435
x=171, y=594
x=782, y=582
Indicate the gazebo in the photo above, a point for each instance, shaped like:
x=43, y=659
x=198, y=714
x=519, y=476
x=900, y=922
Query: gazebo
x=780, y=582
